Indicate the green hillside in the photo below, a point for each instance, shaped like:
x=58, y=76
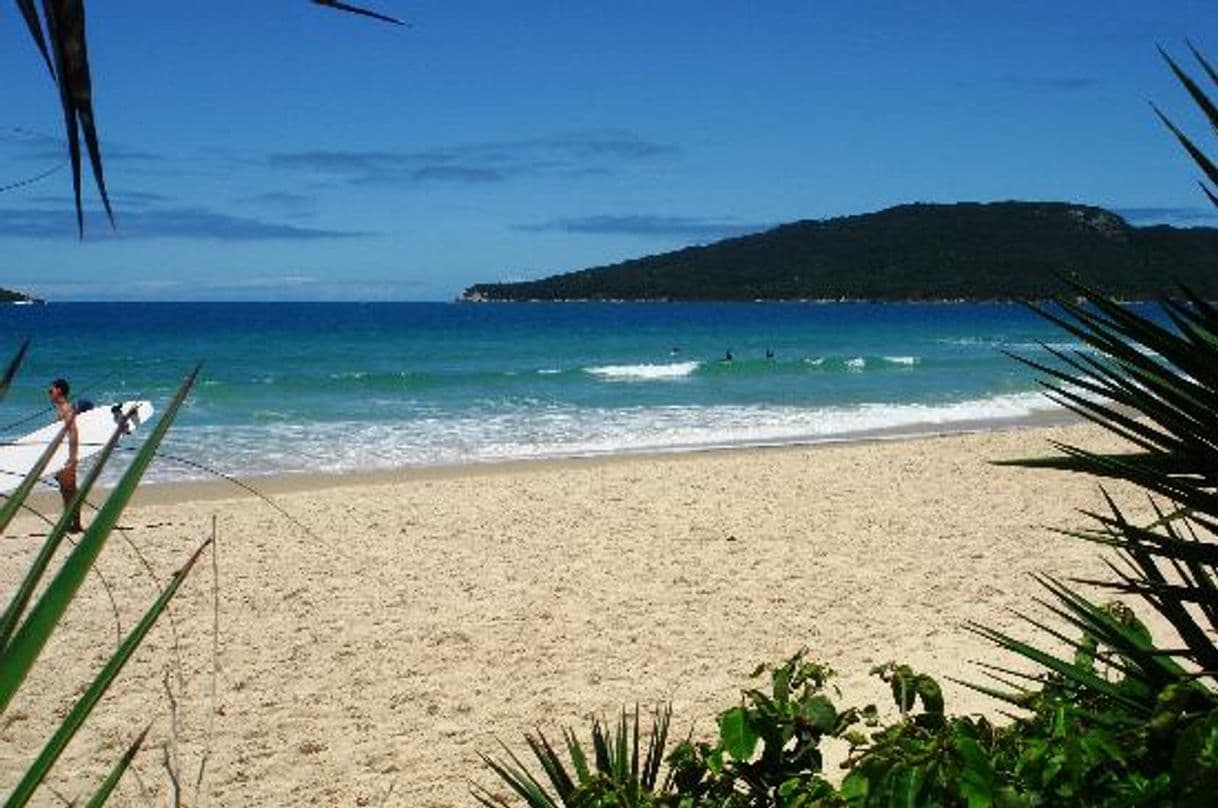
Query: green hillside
x=9, y=296
x=974, y=251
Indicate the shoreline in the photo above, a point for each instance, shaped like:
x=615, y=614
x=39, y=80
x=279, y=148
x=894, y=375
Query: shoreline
x=171, y=491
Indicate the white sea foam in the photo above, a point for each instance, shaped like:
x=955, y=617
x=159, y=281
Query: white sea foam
x=1055, y=346
x=817, y=362
x=857, y=363
x=548, y=372
x=645, y=372
x=902, y=360
x=548, y=431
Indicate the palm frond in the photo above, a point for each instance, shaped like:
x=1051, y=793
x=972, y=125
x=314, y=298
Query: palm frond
x=14, y=365
x=59, y=530
x=30, y=14
x=28, y=640
x=65, y=50
x=376, y=15
x=617, y=772
x=120, y=767
x=65, y=22
x=1065, y=669
x=84, y=706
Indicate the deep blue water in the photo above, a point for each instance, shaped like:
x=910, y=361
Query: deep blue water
x=338, y=386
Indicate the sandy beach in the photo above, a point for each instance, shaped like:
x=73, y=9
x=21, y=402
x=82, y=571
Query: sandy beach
x=424, y=615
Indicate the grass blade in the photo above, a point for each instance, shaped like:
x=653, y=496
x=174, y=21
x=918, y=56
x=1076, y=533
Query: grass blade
x=19, y=656
x=11, y=506
x=34, y=574
x=55, y=746
x=116, y=774
x=14, y=365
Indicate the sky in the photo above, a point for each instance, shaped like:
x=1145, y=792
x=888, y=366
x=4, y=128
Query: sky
x=282, y=151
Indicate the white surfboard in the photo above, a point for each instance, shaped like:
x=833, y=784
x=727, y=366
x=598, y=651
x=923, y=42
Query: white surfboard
x=93, y=428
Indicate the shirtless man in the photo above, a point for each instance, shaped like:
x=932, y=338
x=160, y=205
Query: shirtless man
x=66, y=477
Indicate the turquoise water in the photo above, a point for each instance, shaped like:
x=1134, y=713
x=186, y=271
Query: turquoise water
x=331, y=387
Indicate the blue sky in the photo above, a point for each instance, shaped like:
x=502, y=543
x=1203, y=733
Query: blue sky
x=278, y=150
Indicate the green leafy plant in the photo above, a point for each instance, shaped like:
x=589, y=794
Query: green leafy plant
x=1120, y=718
x=27, y=623
x=768, y=749
x=614, y=776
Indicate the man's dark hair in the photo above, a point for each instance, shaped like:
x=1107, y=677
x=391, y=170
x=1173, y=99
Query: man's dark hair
x=62, y=386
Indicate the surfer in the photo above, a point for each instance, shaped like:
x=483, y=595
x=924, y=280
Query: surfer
x=66, y=477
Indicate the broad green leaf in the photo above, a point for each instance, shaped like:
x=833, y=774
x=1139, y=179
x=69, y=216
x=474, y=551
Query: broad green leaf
x=856, y=787
x=820, y=713
x=1195, y=762
x=976, y=778
x=907, y=782
x=736, y=734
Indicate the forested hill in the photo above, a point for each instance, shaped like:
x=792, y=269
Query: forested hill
x=8, y=296
x=974, y=251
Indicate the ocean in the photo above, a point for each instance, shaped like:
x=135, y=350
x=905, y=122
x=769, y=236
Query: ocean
x=335, y=387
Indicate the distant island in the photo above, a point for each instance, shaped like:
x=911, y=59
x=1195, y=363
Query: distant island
x=9, y=296
x=964, y=251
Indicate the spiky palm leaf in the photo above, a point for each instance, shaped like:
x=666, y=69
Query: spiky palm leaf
x=1207, y=106
x=1152, y=381
x=24, y=632
x=57, y=28
x=617, y=777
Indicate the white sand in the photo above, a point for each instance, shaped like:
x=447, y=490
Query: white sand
x=437, y=612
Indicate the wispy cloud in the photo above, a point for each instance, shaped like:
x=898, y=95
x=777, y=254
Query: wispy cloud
x=1180, y=217
x=648, y=226
x=181, y=222
x=28, y=144
x=280, y=200
x=566, y=156
x=123, y=200
x=1048, y=84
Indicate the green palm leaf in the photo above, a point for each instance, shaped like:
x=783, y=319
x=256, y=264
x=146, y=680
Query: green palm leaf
x=116, y=774
x=76, y=718
x=64, y=49
x=16, y=607
x=12, y=505
x=1066, y=670
x=19, y=655
x=620, y=776
x=14, y=364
